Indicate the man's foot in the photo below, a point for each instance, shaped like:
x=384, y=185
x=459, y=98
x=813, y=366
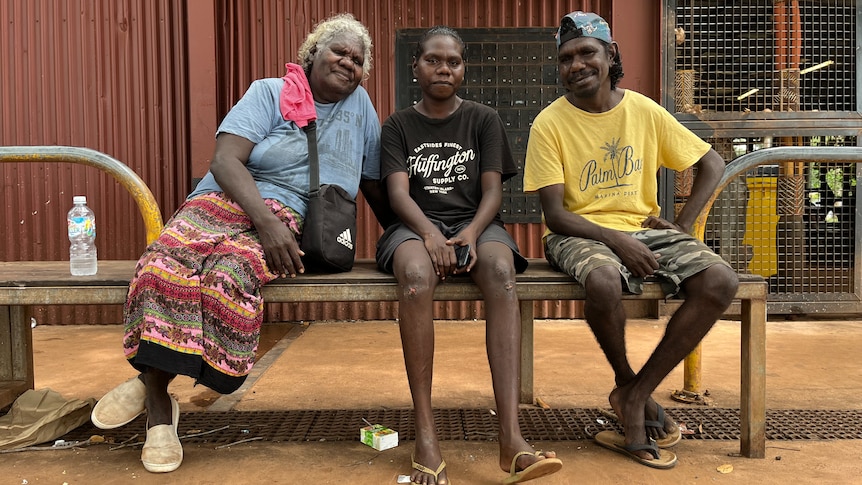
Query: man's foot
x=616, y=442
x=659, y=426
x=631, y=413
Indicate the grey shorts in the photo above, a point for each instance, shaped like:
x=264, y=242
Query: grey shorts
x=398, y=233
x=680, y=257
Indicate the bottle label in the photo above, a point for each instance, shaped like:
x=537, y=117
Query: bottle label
x=81, y=225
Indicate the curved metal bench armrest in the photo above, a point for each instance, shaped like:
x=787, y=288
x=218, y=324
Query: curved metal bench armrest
x=147, y=204
x=773, y=155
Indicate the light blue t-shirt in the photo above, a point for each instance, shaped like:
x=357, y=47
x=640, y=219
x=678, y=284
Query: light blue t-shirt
x=348, y=144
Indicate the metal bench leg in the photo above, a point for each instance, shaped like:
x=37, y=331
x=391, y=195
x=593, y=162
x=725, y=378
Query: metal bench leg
x=526, y=384
x=16, y=354
x=752, y=406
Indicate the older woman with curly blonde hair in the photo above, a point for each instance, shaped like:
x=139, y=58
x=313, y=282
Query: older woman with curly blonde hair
x=329, y=29
x=194, y=306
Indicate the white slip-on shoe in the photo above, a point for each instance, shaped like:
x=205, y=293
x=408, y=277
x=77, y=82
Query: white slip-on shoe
x=162, y=450
x=120, y=405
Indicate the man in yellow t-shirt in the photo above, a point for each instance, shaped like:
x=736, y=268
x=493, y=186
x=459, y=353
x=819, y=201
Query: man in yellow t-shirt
x=593, y=157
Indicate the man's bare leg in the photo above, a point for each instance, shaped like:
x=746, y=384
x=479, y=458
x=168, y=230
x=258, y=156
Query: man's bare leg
x=708, y=294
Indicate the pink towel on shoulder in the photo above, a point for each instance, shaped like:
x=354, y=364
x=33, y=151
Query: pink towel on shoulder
x=296, y=102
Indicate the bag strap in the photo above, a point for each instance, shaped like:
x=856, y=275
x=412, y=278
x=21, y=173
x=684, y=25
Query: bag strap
x=314, y=167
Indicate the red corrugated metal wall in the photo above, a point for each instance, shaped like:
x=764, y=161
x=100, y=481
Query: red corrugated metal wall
x=108, y=75
x=147, y=83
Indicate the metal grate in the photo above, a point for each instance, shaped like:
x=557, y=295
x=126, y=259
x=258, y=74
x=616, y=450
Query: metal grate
x=512, y=70
x=478, y=425
x=758, y=55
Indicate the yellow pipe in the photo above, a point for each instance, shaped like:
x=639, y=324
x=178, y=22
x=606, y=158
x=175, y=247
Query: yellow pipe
x=692, y=378
x=147, y=204
x=692, y=371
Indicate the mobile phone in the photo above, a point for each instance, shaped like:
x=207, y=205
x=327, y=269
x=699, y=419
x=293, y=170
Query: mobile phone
x=462, y=253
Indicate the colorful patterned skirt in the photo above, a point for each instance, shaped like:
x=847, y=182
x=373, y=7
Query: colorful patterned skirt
x=194, y=306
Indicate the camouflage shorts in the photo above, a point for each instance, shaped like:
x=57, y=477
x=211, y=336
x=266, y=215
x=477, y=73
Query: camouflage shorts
x=680, y=256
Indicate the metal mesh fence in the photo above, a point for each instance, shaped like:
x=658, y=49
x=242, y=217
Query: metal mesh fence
x=791, y=66
x=793, y=223
x=767, y=55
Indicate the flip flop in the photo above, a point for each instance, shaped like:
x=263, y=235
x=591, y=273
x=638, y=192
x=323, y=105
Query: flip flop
x=424, y=469
x=617, y=442
x=536, y=470
x=670, y=439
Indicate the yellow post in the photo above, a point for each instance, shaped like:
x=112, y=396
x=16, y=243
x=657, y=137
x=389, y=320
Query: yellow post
x=692, y=371
x=692, y=377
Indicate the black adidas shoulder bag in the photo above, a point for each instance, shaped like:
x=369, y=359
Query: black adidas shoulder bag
x=328, y=232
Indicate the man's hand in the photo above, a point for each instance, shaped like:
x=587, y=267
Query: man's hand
x=653, y=222
x=635, y=255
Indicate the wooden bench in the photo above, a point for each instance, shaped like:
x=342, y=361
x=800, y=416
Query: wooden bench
x=49, y=283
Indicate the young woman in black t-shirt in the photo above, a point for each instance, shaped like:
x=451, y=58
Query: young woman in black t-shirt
x=444, y=161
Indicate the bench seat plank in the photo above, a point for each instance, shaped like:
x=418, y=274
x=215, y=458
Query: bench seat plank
x=49, y=283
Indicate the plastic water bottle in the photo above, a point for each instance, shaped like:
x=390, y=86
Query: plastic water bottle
x=82, y=236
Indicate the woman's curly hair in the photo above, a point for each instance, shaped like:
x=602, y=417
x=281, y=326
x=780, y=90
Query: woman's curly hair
x=323, y=35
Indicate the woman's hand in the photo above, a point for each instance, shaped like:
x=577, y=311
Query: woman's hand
x=442, y=254
x=464, y=238
x=280, y=248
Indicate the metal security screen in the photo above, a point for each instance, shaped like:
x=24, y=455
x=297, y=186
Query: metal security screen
x=754, y=74
x=512, y=70
x=800, y=237
x=778, y=55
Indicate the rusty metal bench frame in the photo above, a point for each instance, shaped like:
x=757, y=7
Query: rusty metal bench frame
x=48, y=283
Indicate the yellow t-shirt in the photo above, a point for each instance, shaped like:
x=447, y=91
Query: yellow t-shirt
x=608, y=161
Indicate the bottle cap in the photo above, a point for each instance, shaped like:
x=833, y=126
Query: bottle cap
x=79, y=199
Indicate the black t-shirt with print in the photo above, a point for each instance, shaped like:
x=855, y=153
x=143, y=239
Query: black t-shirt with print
x=444, y=158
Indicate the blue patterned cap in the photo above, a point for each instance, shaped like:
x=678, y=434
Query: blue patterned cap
x=583, y=24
